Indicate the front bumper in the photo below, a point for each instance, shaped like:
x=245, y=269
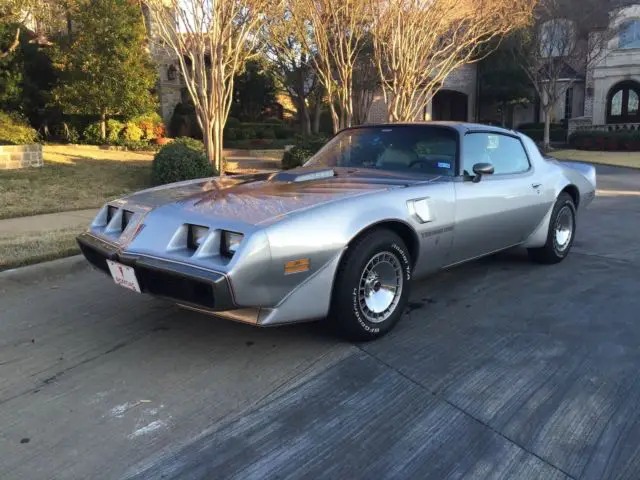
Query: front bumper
x=184, y=284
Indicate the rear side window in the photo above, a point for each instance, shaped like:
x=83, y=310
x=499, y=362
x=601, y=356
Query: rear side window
x=505, y=153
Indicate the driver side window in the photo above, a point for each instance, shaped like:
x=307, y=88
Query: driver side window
x=505, y=153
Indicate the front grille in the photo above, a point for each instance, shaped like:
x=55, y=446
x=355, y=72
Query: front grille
x=176, y=287
x=94, y=257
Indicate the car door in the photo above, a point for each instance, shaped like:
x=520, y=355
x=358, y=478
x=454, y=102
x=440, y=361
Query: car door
x=499, y=210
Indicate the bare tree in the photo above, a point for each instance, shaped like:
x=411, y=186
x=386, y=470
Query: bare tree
x=211, y=40
x=418, y=43
x=293, y=62
x=565, y=39
x=334, y=31
x=32, y=14
x=366, y=82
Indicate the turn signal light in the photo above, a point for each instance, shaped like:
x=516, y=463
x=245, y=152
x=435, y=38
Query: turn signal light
x=296, y=266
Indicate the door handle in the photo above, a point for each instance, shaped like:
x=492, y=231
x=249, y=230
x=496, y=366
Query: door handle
x=536, y=185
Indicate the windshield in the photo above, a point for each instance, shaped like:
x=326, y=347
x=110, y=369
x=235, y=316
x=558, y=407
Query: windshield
x=411, y=148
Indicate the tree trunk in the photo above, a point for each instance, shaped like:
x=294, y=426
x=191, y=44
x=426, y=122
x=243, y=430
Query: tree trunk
x=212, y=136
x=103, y=126
x=546, y=144
x=218, y=158
x=335, y=120
x=303, y=115
x=317, y=115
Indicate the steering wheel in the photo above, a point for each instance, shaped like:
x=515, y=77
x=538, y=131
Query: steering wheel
x=421, y=161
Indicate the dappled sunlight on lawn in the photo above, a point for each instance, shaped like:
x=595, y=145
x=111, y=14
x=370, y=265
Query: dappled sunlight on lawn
x=72, y=178
x=70, y=155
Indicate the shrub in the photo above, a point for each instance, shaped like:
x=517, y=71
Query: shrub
x=233, y=122
x=268, y=134
x=114, y=129
x=159, y=130
x=283, y=132
x=231, y=134
x=538, y=134
x=295, y=157
x=301, y=151
x=67, y=133
x=91, y=134
x=147, y=122
x=14, y=130
x=540, y=126
x=132, y=133
x=628, y=140
x=182, y=159
x=247, y=134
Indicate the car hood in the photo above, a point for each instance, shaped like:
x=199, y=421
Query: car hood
x=261, y=198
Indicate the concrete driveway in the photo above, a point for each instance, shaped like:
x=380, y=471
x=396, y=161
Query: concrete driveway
x=501, y=369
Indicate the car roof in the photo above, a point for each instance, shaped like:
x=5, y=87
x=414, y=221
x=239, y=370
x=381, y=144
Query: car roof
x=462, y=127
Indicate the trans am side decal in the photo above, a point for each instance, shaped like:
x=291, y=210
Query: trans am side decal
x=437, y=231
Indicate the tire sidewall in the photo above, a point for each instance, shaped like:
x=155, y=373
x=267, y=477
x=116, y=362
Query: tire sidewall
x=563, y=200
x=387, y=242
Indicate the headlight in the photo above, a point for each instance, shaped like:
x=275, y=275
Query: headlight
x=196, y=236
x=230, y=243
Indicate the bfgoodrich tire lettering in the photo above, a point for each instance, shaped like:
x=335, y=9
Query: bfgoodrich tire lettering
x=371, y=286
x=562, y=229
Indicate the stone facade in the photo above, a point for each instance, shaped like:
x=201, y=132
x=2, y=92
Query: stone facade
x=615, y=64
x=20, y=156
x=170, y=83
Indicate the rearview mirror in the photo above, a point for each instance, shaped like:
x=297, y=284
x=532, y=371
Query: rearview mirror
x=481, y=169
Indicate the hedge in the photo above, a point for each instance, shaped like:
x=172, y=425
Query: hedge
x=621, y=140
x=540, y=126
x=556, y=135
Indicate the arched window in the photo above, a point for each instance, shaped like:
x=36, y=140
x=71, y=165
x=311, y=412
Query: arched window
x=630, y=34
x=623, y=103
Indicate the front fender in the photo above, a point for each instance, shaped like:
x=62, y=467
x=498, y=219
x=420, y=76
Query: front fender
x=321, y=235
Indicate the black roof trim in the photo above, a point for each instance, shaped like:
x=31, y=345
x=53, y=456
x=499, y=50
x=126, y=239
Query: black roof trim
x=462, y=127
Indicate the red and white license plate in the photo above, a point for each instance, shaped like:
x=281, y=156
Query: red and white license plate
x=124, y=276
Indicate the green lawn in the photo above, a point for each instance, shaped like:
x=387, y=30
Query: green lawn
x=616, y=159
x=35, y=247
x=72, y=178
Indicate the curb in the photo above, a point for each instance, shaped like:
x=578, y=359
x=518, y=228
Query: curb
x=38, y=271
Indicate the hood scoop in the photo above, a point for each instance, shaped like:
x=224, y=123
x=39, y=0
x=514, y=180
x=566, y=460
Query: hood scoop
x=303, y=175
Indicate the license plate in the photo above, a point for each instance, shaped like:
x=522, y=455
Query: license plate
x=124, y=276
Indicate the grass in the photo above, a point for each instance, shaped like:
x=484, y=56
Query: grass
x=72, y=178
x=34, y=247
x=616, y=159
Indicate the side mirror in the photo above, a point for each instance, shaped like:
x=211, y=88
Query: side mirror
x=481, y=169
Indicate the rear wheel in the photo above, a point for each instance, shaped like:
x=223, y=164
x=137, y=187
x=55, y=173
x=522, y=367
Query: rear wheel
x=372, y=286
x=562, y=227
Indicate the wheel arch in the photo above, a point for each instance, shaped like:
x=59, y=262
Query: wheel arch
x=574, y=192
x=400, y=228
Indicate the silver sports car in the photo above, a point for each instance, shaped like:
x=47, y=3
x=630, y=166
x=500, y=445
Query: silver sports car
x=343, y=237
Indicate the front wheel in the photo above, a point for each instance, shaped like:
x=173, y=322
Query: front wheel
x=372, y=286
x=562, y=227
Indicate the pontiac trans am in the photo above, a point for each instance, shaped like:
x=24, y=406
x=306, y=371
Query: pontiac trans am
x=343, y=237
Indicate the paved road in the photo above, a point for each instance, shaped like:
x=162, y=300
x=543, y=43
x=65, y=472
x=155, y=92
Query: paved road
x=501, y=369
